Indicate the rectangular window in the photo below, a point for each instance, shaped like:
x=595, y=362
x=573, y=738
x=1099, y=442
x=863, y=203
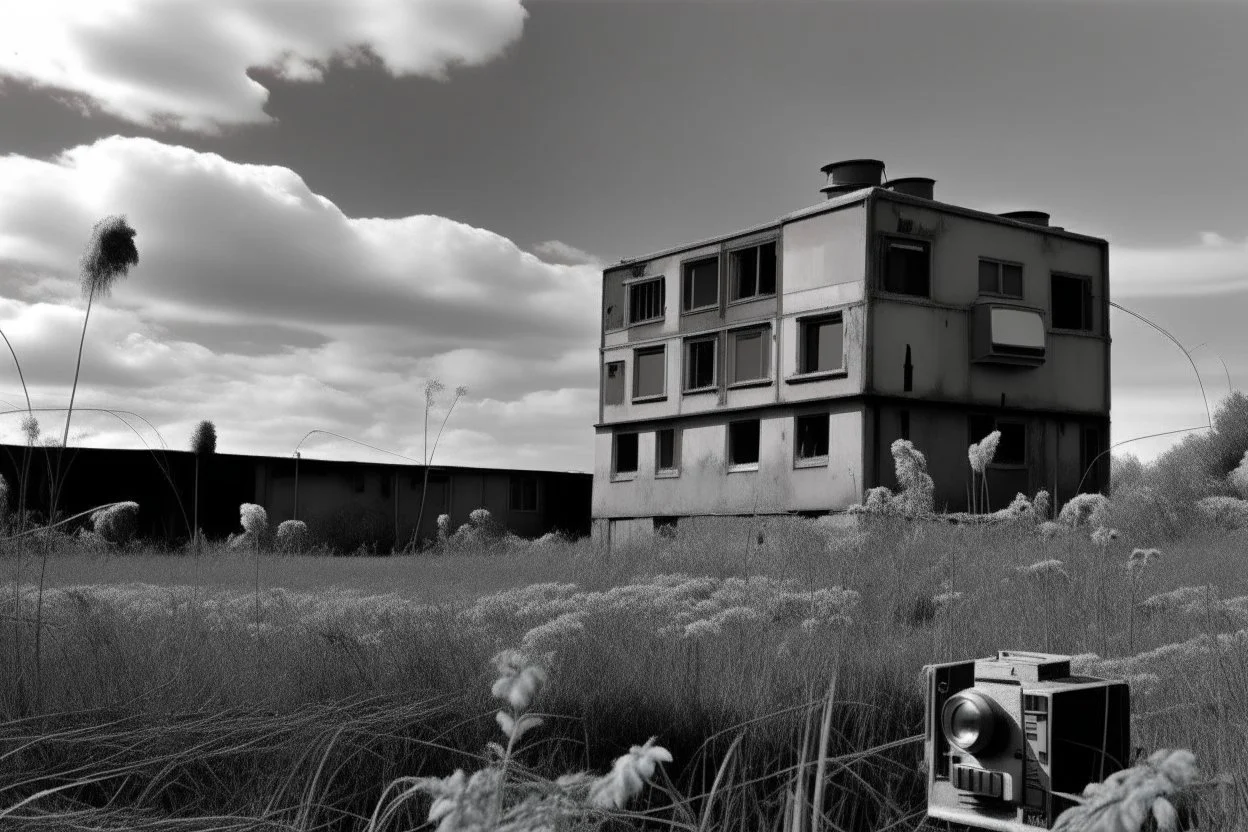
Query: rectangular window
x=700, y=358
x=906, y=267
x=998, y=278
x=1071, y=302
x=645, y=301
x=811, y=436
x=701, y=284
x=613, y=383
x=649, y=371
x=625, y=455
x=1012, y=449
x=743, y=443
x=1089, y=451
x=822, y=344
x=523, y=494
x=666, y=453
x=753, y=271
x=750, y=354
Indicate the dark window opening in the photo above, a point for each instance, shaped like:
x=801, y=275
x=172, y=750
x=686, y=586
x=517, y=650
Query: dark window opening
x=907, y=373
x=665, y=527
x=751, y=355
x=753, y=271
x=1012, y=447
x=743, y=442
x=523, y=495
x=1089, y=451
x=904, y=419
x=665, y=449
x=625, y=453
x=645, y=301
x=823, y=345
x=700, y=363
x=997, y=278
x=907, y=268
x=812, y=436
x=648, y=372
x=701, y=284
x=613, y=386
x=1072, y=302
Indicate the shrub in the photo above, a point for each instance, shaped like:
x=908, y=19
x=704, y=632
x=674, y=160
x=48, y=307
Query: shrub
x=292, y=536
x=1084, y=509
x=1239, y=478
x=117, y=524
x=1227, y=512
x=255, y=523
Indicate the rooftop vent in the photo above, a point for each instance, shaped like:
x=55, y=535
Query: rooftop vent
x=852, y=175
x=919, y=186
x=1032, y=217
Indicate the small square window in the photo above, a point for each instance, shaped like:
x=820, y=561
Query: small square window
x=700, y=359
x=743, y=442
x=1071, y=302
x=646, y=301
x=822, y=346
x=649, y=371
x=997, y=278
x=753, y=271
x=906, y=267
x=701, y=284
x=625, y=453
x=750, y=355
x=811, y=436
x=613, y=383
x=523, y=495
x=666, y=454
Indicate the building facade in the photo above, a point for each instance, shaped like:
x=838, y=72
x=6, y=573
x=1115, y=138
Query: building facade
x=769, y=371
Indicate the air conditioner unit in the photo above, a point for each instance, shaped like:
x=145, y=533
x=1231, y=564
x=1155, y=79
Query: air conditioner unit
x=1003, y=333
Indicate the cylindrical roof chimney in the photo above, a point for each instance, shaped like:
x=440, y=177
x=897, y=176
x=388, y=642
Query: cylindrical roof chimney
x=1033, y=217
x=852, y=175
x=919, y=186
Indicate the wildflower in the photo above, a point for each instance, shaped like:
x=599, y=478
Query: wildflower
x=520, y=680
x=1141, y=558
x=981, y=454
x=1102, y=536
x=628, y=775
x=1126, y=798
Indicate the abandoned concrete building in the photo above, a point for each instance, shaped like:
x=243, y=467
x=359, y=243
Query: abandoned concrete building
x=769, y=371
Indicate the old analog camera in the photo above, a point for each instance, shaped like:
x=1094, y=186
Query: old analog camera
x=1007, y=736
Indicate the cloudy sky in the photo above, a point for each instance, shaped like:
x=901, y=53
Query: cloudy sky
x=338, y=200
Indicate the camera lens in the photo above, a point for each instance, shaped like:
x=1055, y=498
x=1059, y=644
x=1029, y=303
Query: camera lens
x=968, y=721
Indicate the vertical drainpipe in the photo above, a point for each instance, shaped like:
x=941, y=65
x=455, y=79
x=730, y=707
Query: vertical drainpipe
x=1108, y=344
x=870, y=471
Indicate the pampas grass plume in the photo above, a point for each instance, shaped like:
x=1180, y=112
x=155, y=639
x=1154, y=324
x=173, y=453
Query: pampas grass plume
x=982, y=453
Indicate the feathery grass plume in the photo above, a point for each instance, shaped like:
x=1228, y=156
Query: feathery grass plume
x=118, y=523
x=1228, y=512
x=1084, y=509
x=982, y=453
x=1124, y=802
x=444, y=527
x=1040, y=505
x=204, y=439
x=30, y=428
x=1050, y=568
x=917, y=488
x=255, y=522
x=1238, y=478
x=292, y=536
x=628, y=775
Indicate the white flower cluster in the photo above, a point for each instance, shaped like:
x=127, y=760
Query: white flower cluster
x=1124, y=802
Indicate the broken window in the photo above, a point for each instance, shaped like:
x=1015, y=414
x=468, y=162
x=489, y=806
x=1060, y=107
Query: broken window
x=613, y=385
x=997, y=278
x=743, y=442
x=645, y=301
x=523, y=494
x=1071, y=302
x=701, y=285
x=665, y=455
x=700, y=362
x=811, y=435
x=753, y=271
x=751, y=354
x=648, y=376
x=822, y=345
x=906, y=267
x=625, y=453
x=1012, y=448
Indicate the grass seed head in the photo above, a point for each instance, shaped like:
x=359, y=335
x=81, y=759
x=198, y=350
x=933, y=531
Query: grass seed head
x=982, y=453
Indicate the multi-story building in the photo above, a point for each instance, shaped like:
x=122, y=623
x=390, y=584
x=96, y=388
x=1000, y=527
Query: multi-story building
x=769, y=371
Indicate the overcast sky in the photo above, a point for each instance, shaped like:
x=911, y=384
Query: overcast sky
x=338, y=200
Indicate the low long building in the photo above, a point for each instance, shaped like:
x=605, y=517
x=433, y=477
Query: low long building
x=346, y=503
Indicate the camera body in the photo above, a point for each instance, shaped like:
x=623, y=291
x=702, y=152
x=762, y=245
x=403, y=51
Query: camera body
x=1007, y=735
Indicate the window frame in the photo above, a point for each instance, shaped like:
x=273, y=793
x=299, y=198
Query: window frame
x=521, y=479
x=713, y=340
x=606, y=374
x=1089, y=306
x=815, y=460
x=630, y=286
x=616, y=473
x=686, y=288
x=764, y=333
x=673, y=470
x=887, y=240
x=1000, y=292
x=734, y=277
x=802, y=324
x=660, y=349
x=739, y=467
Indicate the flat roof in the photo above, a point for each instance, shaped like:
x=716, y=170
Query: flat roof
x=853, y=198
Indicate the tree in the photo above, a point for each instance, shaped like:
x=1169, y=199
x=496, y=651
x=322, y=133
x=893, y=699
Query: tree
x=203, y=442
